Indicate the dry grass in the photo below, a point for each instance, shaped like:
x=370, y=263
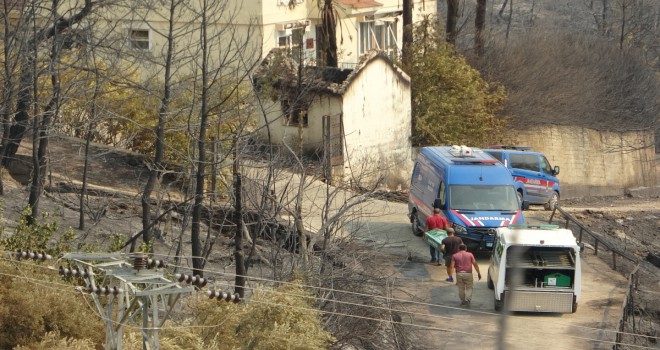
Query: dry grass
x=571, y=79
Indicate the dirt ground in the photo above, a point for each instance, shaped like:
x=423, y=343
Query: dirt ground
x=633, y=224
x=118, y=178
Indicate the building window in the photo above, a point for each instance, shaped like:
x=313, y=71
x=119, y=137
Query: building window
x=291, y=40
x=293, y=115
x=139, y=39
x=378, y=35
x=288, y=2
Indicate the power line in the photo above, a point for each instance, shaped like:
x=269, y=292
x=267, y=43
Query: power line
x=77, y=289
x=373, y=296
x=400, y=300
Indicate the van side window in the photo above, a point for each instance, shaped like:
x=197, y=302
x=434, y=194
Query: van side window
x=545, y=165
x=498, y=247
x=441, y=193
x=417, y=176
x=496, y=155
x=525, y=161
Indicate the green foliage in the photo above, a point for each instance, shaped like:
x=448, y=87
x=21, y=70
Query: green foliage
x=116, y=243
x=34, y=314
x=34, y=301
x=451, y=102
x=54, y=341
x=38, y=235
x=283, y=318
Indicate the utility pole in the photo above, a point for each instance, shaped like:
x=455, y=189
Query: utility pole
x=138, y=288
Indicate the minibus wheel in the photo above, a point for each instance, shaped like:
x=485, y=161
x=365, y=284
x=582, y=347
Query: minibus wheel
x=523, y=205
x=499, y=304
x=489, y=282
x=414, y=220
x=552, y=202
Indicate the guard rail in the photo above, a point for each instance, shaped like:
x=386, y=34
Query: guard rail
x=598, y=239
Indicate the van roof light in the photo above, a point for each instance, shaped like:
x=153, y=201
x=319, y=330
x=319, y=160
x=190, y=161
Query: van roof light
x=461, y=151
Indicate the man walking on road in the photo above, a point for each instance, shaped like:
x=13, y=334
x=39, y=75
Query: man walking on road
x=463, y=261
x=436, y=221
x=449, y=246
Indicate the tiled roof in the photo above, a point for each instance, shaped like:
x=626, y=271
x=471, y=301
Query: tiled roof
x=328, y=79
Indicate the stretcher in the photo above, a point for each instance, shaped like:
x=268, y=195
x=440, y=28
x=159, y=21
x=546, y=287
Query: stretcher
x=434, y=237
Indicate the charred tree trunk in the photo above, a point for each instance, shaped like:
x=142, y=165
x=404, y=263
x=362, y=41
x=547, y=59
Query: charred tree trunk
x=406, y=54
x=480, y=25
x=41, y=160
x=43, y=129
x=24, y=98
x=407, y=31
x=452, y=20
x=605, y=17
x=508, y=24
x=501, y=12
x=89, y=135
x=155, y=172
x=198, y=264
x=239, y=255
x=329, y=29
x=22, y=116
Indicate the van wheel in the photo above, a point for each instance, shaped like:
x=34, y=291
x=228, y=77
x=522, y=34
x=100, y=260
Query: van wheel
x=523, y=205
x=489, y=282
x=552, y=202
x=499, y=304
x=574, y=307
x=414, y=220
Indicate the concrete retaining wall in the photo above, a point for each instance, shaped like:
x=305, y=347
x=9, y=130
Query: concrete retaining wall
x=594, y=163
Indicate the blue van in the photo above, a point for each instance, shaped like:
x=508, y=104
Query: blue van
x=474, y=191
x=536, y=180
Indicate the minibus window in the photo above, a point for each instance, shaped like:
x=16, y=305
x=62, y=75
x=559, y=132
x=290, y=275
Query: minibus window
x=482, y=197
x=441, y=194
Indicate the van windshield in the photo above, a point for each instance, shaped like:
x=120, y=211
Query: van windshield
x=480, y=197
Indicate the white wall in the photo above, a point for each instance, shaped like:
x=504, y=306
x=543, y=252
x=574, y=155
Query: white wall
x=377, y=123
x=271, y=14
x=289, y=135
x=349, y=50
x=592, y=162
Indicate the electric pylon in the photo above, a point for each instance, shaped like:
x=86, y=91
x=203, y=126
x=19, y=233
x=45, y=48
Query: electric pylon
x=125, y=291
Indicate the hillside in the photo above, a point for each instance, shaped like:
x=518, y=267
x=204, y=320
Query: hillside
x=561, y=65
x=114, y=209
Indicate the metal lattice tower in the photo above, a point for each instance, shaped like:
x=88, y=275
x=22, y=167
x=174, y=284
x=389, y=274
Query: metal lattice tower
x=137, y=291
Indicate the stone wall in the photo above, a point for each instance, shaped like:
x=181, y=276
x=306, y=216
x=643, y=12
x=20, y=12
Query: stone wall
x=594, y=163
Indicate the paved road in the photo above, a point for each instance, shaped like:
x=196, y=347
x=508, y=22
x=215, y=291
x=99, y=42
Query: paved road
x=441, y=322
x=437, y=307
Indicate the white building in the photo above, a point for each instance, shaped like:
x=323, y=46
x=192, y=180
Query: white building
x=358, y=118
x=364, y=25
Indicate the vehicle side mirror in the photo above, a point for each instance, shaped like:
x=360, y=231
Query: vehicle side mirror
x=556, y=170
x=437, y=203
x=581, y=245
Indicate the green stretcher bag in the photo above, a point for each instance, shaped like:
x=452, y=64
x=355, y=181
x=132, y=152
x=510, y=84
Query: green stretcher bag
x=434, y=237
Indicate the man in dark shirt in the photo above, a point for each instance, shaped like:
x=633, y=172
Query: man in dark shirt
x=436, y=221
x=463, y=261
x=449, y=247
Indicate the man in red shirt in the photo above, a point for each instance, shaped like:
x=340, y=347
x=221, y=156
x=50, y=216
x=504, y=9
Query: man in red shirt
x=436, y=221
x=463, y=261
